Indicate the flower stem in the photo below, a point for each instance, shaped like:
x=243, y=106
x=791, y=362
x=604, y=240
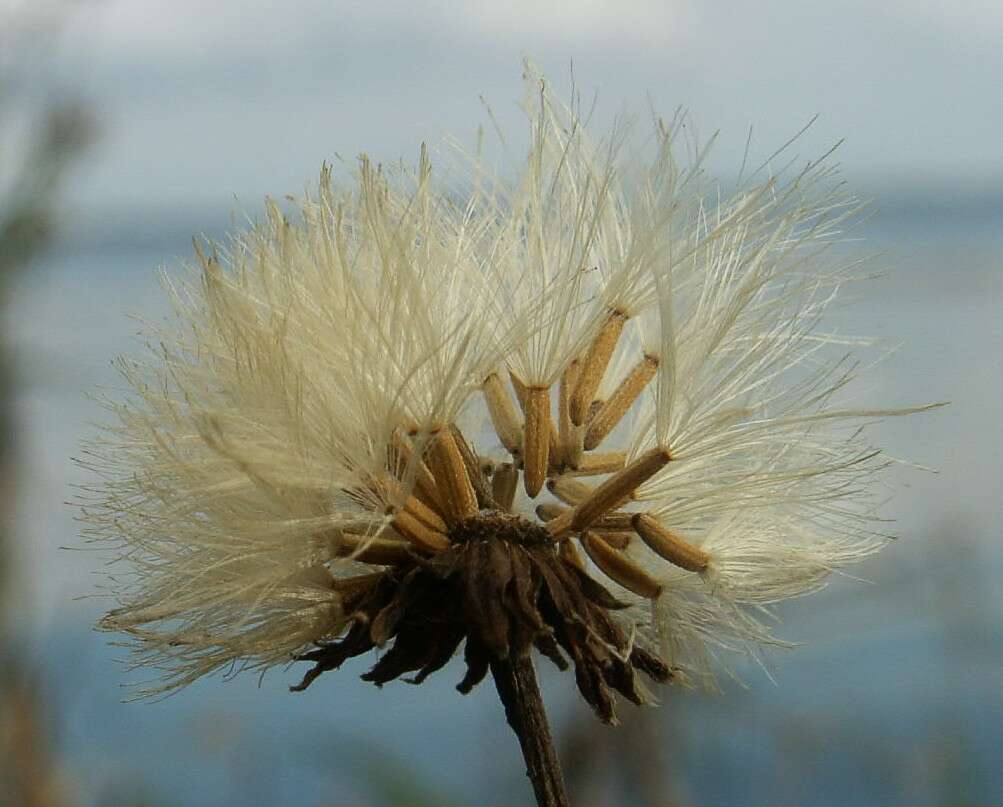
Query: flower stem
x=515, y=680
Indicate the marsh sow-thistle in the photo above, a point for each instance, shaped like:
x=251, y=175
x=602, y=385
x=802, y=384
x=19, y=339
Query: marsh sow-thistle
x=594, y=411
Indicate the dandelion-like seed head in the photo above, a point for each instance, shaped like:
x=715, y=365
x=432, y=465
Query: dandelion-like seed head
x=596, y=411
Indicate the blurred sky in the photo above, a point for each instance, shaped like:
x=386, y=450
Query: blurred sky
x=199, y=101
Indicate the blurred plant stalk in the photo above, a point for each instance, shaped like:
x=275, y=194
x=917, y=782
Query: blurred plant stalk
x=31, y=175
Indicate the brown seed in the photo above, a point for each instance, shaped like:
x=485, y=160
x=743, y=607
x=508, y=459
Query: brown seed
x=598, y=463
x=612, y=411
x=553, y=453
x=416, y=532
x=568, y=490
x=504, y=417
x=503, y=485
x=426, y=515
x=619, y=522
x=456, y=492
x=668, y=545
x=560, y=527
x=593, y=366
x=618, y=488
x=537, y=439
x=475, y=470
x=548, y=511
x=569, y=436
x=522, y=394
x=378, y=551
x=382, y=487
x=424, y=483
x=521, y=390
x=357, y=526
x=618, y=539
x=619, y=568
x=567, y=550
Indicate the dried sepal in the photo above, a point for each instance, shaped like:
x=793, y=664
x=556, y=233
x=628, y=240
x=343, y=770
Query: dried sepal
x=503, y=588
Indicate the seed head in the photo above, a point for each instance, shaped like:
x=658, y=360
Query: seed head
x=594, y=411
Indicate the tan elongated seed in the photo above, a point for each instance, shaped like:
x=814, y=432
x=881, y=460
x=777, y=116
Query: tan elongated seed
x=618, y=488
x=615, y=538
x=548, y=511
x=668, y=545
x=593, y=365
x=424, y=483
x=475, y=469
x=567, y=550
x=379, y=551
x=568, y=490
x=357, y=526
x=618, y=522
x=503, y=485
x=459, y=500
x=425, y=514
x=521, y=390
x=560, y=527
x=619, y=568
x=383, y=487
x=504, y=417
x=536, y=452
x=522, y=394
x=569, y=436
x=610, y=522
x=598, y=463
x=416, y=532
x=618, y=404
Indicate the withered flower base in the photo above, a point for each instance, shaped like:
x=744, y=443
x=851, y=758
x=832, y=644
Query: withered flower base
x=504, y=587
